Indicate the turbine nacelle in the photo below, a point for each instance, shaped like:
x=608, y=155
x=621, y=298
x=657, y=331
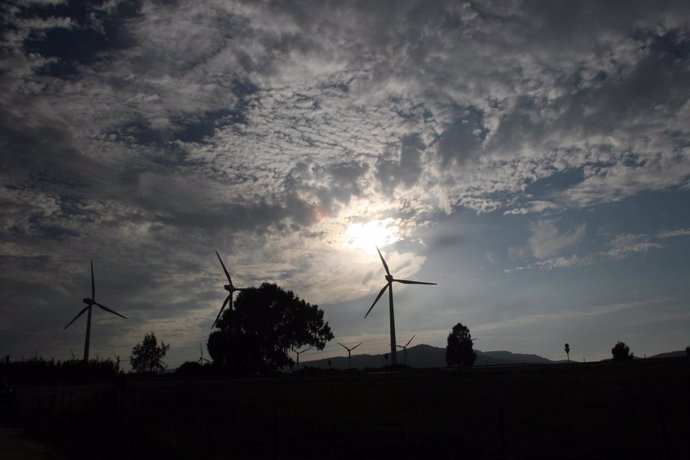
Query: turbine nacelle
x=88, y=301
x=229, y=287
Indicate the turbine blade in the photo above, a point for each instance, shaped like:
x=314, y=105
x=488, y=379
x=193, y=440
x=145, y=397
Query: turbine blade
x=385, y=265
x=377, y=298
x=227, y=299
x=343, y=346
x=110, y=310
x=93, y=284
x=78, y=315
x=224, y=269
x=414, y=282
x=356, y=346
x=408, y=342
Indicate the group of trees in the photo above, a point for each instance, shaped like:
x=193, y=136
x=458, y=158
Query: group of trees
x=254, y=335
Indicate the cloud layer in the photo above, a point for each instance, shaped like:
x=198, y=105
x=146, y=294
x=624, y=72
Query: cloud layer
x=145, y=135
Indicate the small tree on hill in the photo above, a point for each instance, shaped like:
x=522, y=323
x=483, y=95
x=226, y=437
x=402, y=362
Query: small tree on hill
x=459, y=349
x=621, y=352
x=148, y=355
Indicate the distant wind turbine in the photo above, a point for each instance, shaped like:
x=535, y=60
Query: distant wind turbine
x=202, y=359
x=389, y=286
x=299, y=353
x=90, y=302
x=349, y=351
x=228, y=287
x=404, y=348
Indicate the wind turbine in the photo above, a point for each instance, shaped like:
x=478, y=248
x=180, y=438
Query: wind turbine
x=228, y=287
x=90, y=302
x=299, y=353
x=349, y=350
x=389, y=286
x=202, y=359
x=118, y=360
x=404, y=349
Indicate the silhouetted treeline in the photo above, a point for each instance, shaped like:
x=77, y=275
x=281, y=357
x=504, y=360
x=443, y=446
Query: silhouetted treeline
x=39, y=370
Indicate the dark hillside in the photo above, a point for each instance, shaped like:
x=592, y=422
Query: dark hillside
x=624, y=410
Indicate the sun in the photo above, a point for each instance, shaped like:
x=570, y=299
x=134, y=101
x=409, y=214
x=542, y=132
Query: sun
x=366, y=236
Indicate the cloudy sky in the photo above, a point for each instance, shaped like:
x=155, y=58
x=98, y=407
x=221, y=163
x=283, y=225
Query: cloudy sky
x=533, y=158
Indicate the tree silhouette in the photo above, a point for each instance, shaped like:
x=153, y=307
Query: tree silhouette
x=459, y=349
x=256, y=334
x=148, y=355
x=621, y=352
x=567, y=351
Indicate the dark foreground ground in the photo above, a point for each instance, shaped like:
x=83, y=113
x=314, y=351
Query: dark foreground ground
x=628, y=410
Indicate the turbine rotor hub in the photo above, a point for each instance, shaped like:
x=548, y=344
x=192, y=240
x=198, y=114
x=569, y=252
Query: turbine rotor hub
x=389, y=278
x=89, y=301
x=228, y=287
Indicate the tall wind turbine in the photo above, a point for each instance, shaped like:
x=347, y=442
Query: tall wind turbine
x=404, y=349
x=389, y=286
x=228, y=287
x=349, y=350
x=90, y=302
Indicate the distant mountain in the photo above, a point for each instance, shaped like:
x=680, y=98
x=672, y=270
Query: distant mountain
x=426, y=356
x=506, y=357
x=671, y=354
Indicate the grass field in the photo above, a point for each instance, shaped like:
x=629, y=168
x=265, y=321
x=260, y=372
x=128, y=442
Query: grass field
x=638, y=409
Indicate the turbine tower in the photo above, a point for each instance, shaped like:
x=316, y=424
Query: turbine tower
x=404, y=349
x=90, y=302
x=349, y=351
x=228, y=287
x=389, y=286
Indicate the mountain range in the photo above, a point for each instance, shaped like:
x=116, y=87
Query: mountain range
x=426, y=356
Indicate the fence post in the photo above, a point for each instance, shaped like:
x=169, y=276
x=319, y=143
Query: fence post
x=501, y=432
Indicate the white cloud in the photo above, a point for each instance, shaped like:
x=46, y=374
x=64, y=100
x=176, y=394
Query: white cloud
x=546, y=240
x=674, y=233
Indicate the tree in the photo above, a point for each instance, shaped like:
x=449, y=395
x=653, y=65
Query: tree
x=567, y=351
x=621, y=352
x=256, y=335
x=459, y=350
x=148, y=355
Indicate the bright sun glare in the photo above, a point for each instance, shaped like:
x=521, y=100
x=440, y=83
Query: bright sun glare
x=367, y=236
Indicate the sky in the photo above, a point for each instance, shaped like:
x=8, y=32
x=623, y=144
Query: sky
x=530, y=157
